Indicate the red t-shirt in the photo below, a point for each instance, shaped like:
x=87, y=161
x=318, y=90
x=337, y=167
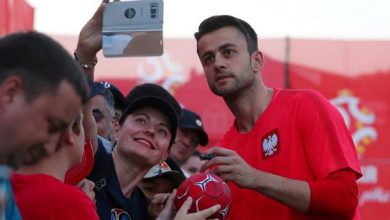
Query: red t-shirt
x=40, y=196
x=301, y=136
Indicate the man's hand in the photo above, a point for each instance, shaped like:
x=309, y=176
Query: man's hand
x=182, y=213
x=157, y=204
x=90, y=37
x=231, y=167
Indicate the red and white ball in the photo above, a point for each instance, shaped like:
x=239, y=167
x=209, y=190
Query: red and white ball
x=206, y=190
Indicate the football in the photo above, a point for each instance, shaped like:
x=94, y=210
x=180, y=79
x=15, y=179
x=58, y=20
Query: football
x=206, y=190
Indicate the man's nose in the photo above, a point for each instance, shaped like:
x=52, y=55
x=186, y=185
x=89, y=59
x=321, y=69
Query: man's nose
x=219, y=62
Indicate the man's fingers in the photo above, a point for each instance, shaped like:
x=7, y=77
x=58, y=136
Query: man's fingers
x=217, y=161
x=222, y=169
x=208, y=212
x=98, y=15
x=171, y=197
x=205, y=166
x=166, y=213
x=186, y=206
x=220, y=151
x=160, y=198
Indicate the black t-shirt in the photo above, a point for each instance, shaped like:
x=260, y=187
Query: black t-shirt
x=111, y=204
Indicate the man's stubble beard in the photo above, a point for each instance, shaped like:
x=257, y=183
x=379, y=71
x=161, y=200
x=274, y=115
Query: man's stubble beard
x=238, y=85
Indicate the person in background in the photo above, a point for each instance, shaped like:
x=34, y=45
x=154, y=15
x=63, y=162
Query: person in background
x=158, y=183
x=119, y=98
x=103, y=111
x=119, y=105
x=289, y=154
x=37, y=186
x=193, y=165
x=190, y=134
x=41, y=89
x=148, y=128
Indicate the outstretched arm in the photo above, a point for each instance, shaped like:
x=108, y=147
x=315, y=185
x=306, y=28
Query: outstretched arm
x=293, y=193
x=88, y=45
x=90, y=41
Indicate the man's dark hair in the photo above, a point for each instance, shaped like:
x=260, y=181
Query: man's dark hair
x=220, y=21
x=41, y=63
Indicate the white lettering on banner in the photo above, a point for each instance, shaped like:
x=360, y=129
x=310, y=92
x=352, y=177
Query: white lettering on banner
x=377, y=194
x=358, y=119
x=166, y=73
x=370, y=174
x=151, y=77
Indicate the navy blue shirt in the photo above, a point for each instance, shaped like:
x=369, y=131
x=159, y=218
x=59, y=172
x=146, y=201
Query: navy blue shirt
x=111, y=204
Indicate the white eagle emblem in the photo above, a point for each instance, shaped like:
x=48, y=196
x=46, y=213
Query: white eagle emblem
x=270, y=145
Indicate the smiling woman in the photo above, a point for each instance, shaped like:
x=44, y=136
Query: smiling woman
x=145, y=137
x=148, y=128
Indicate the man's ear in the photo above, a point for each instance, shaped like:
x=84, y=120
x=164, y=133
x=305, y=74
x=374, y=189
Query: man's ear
x=9, y=89
x=257, y=61
x=115, y=123
x=68, y=137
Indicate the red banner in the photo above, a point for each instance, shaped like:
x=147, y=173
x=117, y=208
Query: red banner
x=15, y=15
x=4, y=17
x=363, y=101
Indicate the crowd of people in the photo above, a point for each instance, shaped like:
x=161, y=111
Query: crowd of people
x=75, y=148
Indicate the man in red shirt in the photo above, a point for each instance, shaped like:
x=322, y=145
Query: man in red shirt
x=41, y=91
x=39, y=189
x=288, y=154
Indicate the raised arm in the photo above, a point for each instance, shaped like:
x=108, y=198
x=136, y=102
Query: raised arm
x=88, y=45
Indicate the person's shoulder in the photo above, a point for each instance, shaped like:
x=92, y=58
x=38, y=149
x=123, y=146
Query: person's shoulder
x=106, y=144
x=232, y=131
x=34, y=180
x=74, y=198
x=298, y=93
x=301, y=96
x=102, y=163
x=101, y=151
x=76, y=203
x=44, y=189
x=75, y=194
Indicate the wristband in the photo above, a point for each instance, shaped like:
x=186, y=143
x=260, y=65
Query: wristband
x=86, y=66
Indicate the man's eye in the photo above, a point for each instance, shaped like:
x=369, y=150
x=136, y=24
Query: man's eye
x=97, y=114
x=207, y=59
x=228, y=52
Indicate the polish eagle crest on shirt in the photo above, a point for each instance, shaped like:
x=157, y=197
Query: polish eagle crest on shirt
x=270, y=144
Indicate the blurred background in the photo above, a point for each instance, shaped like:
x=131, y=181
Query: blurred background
x=340, y=48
